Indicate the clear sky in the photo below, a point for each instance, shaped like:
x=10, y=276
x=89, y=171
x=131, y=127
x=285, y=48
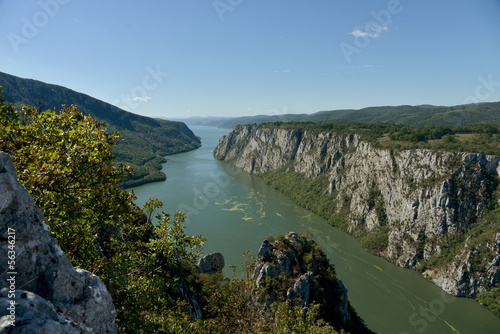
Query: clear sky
x=245, y=57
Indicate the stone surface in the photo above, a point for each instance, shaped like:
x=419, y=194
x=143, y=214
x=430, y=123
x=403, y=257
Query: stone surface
x=34, y=314
x=304, y=289
x=42, y=268
x=281, y=260
x=425, y=195
x=211, y=263
x=459, y=279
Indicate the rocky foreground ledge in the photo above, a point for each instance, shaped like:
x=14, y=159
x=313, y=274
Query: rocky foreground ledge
x=41, y=291
x=299, y=268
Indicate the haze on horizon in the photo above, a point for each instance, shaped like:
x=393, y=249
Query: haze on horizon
x=176, y=59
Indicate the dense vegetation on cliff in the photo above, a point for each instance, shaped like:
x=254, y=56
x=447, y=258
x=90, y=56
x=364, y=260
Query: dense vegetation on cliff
x=65, y=160
x=144, y=141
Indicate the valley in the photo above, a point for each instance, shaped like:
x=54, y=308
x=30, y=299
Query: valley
x=235, y=211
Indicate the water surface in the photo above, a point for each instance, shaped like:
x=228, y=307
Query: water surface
x=236, y=212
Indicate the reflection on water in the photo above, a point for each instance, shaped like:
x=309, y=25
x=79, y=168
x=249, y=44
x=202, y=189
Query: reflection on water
x=236, y=212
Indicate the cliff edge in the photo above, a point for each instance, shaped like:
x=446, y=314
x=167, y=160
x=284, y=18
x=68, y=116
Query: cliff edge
x=415, y=207
x=293, y=268
x=41, y=291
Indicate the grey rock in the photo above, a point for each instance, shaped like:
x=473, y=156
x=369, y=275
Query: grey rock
x=42, y=268
x=284, y=262
x=265, y=251
x=211, y=263
x=293, y=237
x=264, y=271
x=262, y=268
x=185, y=293
x=303, y=288
x=458, y=278
x=343, y=306
x=34, y=314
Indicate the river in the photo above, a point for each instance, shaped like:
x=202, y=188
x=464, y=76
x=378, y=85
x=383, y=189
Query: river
x=236, y=212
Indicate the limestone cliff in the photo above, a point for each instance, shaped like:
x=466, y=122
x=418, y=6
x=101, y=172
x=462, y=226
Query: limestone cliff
x=406, y=205
x=293, y=268
x=41, y=292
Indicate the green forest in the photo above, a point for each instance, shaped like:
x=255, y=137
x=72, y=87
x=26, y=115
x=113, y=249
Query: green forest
x=415, y=116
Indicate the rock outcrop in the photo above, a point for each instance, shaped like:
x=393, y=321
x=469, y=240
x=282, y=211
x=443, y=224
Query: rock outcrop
x=406, y=203
x=211, y=264
x=460, y=278
x=43, y=289
x=293, y=268
x=185, y=293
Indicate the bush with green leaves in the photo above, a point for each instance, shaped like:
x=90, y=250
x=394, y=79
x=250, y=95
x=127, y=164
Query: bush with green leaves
x=64, y=160
x=491, y=300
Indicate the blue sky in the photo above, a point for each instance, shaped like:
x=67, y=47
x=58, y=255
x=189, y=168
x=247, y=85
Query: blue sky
x=246, y=57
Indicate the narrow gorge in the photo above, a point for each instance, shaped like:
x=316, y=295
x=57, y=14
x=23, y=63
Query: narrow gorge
x=419, y=208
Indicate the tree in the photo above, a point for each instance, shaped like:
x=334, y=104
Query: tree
x=65, y=162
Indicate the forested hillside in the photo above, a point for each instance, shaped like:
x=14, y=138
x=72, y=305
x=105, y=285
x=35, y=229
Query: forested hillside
x=146, y=141
x=425, y=115
x=419, y=116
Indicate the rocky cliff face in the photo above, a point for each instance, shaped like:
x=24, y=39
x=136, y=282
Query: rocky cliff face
x=40, y=290
x=406, y=203
x=295, y=269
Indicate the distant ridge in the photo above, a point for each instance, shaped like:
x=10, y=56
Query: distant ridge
x=419, y=116
x=146, y=140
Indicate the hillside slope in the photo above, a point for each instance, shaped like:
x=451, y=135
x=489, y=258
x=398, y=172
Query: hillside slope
x=145, y=140
x=431, y=210
x=426, y=115
x=417, y=115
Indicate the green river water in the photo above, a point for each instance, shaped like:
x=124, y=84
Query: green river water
x=236, y=212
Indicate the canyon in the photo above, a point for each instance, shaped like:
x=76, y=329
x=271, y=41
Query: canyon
x=405, y=204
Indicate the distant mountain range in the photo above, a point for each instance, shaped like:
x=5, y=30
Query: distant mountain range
x=422, y=115
x=146, y=140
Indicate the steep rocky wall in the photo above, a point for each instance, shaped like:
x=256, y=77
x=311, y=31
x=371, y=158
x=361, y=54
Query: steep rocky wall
x=302, y=275
x=41, y=292
x=413, y=199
